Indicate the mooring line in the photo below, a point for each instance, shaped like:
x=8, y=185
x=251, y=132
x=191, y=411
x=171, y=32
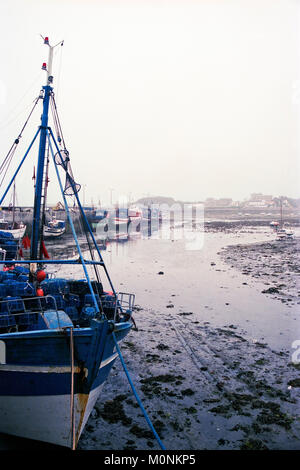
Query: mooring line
x=136, y=395
x=72, y=389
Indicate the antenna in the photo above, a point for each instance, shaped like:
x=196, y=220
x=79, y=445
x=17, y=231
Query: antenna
x=50, y=59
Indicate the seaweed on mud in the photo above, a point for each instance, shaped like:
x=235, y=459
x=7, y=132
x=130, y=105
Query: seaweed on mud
x=176, y=426
x=253, y=444
x=261, y=362
x=241, y=427
x=130, y=445
x=145, y=433
x=230, y=333
x=113, y=411
x=211, y=400
x=271, y=290
x=164, y=378
x=152, y=385
x=132, y=347
x=221, y=409
x=162, y=347
x=152, y=358
x=140, y=432
x=222, y=442
x=295, y=365
x=187, y=392
x=268, y=405
x=294, y=383
x=191, y=410
x=239, y=401
x=132, y=403
x=170, y=393
x=275, y=417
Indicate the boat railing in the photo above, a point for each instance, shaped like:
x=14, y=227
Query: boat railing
x=17, y=314
x=125, y=301
x=51, y=276
x=21, y=312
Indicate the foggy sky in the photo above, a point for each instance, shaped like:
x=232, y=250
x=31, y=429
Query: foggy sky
x=188, y=99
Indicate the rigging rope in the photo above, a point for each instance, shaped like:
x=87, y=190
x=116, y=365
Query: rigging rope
x=136, y=395
x=5, y=122
x=8, y=158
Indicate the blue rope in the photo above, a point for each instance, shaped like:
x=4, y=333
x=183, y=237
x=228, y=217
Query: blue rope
x=136, y=395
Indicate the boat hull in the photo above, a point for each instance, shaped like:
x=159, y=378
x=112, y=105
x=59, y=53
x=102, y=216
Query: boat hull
x=35, y=397
x=53, y=233
x=17, y=233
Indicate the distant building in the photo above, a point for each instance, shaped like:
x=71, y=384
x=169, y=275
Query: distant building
x=223, y=202
x=260, y=200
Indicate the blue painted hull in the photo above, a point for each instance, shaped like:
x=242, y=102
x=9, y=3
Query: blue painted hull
x=35, y=380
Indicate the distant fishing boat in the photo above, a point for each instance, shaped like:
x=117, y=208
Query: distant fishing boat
x=135, y=215
x=98, y=216
x=119, y=217
x=58, y=335
x=281, y=232
x=16, y=229
x=55, y=228
x=117, y=223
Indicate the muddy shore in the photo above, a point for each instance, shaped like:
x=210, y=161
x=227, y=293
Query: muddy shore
x=205, y=358
x=205, y=386
x=275, y=263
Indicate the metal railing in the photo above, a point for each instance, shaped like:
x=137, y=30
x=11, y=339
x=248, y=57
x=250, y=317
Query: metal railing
x=16, y=308
x=18, y=313
x=124, y=301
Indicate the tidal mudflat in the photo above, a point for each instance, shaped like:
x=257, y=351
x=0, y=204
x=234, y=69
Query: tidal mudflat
x=211, y=357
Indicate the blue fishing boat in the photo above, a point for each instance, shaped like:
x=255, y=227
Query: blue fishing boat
x=58, y=336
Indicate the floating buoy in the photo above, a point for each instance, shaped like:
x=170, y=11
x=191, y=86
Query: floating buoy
x=39, y=292
x=40, y=276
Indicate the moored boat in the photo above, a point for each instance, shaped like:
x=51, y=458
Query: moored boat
x=54, y=228
x=58, y=336
x=17, y=229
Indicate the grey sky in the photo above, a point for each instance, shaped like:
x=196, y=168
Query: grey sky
x=190, y=99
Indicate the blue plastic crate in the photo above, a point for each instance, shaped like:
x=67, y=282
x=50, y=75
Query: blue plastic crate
x=12, y=305
x=72, y=300
x=7, y=320
x=25, y=319
x=55, y=286
x=21, y=270
x=7, y=275
x=72, y=312
x=22, y=278
x=3, y=290
x=55, y=302
x=88, y=299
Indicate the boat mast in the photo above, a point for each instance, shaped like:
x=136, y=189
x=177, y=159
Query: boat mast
x=14, y=203
x=41, y=156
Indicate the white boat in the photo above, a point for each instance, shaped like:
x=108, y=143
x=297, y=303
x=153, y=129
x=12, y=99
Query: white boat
x=135, y=214
x=15, y=228
x=54, y=228
x=284, y=234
